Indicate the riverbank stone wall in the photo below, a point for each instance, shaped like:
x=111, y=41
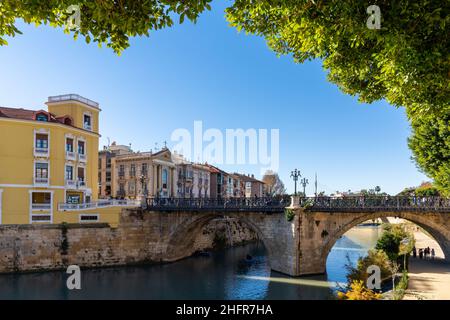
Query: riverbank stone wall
x=141, y=238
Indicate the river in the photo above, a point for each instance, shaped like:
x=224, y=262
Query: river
x=224, y=275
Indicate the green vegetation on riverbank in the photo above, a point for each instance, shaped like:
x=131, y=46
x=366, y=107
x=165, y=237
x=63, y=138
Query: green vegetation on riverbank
x=391, y=255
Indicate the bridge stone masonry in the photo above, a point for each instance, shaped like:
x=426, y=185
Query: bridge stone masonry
x=301, y=246
x=167, y=230
x=322, y=222
x=184, y=219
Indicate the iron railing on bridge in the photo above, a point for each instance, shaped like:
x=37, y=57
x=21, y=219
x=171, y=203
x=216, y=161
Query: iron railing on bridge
x=326, y=204
x=375, y=203
x=267, y=205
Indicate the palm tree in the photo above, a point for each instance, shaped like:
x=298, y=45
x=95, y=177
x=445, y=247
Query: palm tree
x=377, y=189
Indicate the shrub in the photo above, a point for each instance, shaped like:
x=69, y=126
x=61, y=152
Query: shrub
x=358, y=292
x=391, y=241
x=401, y=287
x=290, y=214
x=374, y=258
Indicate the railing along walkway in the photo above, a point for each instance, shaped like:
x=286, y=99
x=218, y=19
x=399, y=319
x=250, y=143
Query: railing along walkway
x=326, y=204
x=376, y=204
x=267, y=205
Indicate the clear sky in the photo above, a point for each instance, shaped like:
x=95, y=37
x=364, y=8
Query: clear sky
x=211, y=73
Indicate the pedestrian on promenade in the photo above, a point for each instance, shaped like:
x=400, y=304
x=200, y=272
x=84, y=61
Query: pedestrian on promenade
x=428, y=252
x=421, y=254
x=433, y=254
x=414, y=252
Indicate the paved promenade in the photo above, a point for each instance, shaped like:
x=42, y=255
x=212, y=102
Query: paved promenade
x=429, y=279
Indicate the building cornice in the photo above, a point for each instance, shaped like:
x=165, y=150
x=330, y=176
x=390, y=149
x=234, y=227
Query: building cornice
x=51, y=124
x=56, y=103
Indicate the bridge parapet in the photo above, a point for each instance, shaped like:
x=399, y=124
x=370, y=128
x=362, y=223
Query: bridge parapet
x=374, y=204
x=264, y=205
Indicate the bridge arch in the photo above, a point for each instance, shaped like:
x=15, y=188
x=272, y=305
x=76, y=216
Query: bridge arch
x=433, y=225
x=181, y=239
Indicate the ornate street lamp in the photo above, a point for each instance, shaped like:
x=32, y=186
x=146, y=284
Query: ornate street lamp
x=295, y=175
x=304, y=183
x=143, y=186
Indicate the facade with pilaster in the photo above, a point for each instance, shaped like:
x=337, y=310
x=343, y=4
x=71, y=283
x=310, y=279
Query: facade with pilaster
x=145, y=174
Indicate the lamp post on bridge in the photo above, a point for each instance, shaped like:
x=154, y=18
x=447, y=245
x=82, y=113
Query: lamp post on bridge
x=143, y=195
x=295, y=175
x=304, y=183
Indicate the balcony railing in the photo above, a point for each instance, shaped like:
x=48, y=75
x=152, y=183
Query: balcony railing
x=98, y=204
x=70, y=155
x=40, y=181
x=81, y=184
x=76, y=97
x=41, y=206
x=71, y=183
x=87, y=126
x=41, y=152
x=82, y=157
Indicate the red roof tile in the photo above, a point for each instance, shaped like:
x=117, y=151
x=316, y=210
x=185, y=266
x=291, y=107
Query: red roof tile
x=30, y=115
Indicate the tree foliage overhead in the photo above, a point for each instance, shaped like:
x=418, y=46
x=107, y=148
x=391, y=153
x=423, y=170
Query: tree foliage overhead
x=405, y=62
x=430, y=144
x=103, y=21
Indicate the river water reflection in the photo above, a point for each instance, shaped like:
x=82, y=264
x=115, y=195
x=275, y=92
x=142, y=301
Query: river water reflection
x=224, y=275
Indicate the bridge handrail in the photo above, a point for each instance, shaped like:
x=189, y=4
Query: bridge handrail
x=277, y=204
x=222, y=204
x=389, y=203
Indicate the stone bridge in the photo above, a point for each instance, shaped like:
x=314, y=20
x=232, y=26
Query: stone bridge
x=299, y=246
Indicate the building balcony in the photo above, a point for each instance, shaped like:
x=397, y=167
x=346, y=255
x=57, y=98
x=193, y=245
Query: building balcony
x=87, y=126
x=41, y=182
x=82, y=157
x=41, y=206
x=98, y=204
x=71, y=184
x=41, y=152
x=71, y=155
x=81, y=184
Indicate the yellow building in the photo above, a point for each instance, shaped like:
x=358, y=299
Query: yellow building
x=49, y=164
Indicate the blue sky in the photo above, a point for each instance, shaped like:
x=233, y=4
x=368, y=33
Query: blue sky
x=210, y=72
